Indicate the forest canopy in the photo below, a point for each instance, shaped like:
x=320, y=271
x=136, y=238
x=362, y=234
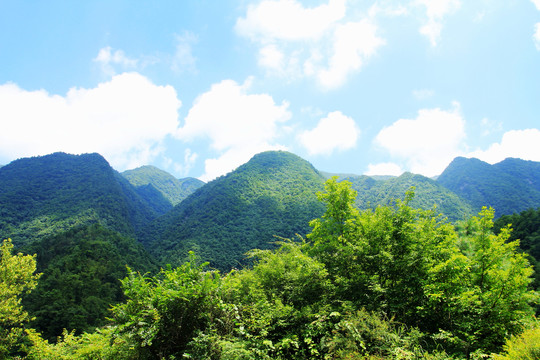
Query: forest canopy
x=391, y=282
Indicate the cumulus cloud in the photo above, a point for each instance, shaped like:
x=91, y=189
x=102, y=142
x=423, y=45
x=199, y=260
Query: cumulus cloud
x=427, y=143
x=387, y=168
x=521, y=144
x=334, y=132
x=537, y=4
x=124, y=119
x=317, y=42
x=353, y=43
x=436, y=11
x=289, y=20
x=237, y=124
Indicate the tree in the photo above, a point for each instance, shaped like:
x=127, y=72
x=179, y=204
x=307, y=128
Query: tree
x=468, y=290
x=16, y=277
x=163, y=313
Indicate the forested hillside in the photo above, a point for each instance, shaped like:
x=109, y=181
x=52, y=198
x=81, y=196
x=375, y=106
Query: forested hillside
x=525, y=228
x=428, y=194
x=390, y=283
x=46, y=195
x=81, y=270
x=148, y=179
x=274, y=194
x=510, y=186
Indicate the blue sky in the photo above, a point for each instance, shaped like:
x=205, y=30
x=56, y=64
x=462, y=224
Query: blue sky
x=198, y=87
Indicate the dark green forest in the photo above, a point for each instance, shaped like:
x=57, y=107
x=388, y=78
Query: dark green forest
x=268, y=261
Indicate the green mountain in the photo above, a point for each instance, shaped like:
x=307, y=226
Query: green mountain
x=81, y=270
x=428, y=193
x=510, y=186
x=151, y=182
x=273, y=194
x=47, y=195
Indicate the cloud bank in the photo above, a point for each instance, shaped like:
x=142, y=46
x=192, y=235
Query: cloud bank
x=124, y=119
x=317, y=42
x=237, y=124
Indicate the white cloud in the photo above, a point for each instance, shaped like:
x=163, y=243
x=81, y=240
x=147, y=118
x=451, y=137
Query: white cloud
x=109, y=60
x=124, y=119
x=521, y=144
x=271, y=58
x=536, y=36
x=334, y=132
x=386, y=168
x=436, y=11
x=237, y=124
x=537, y=4
x=427, y=143
x=317, y=42
x=353, y=43
x=289, y=20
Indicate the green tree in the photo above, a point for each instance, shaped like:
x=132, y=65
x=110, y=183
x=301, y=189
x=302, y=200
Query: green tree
x=163, y=313
x=16, y=277
x=469, y=290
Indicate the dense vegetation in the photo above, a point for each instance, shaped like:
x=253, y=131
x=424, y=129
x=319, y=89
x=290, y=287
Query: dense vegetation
x=510, y=186
x=526, y=229
x=429, y=193
x=151, y=182
x=46, y=195
x=389, y=285
x=393, y=282
x=272, y=194
x=80, y=270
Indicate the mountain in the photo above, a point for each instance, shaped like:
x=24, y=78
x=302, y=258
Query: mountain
x=151, y=181
x=81, y=270
x=510, y=186
x=47, y=195
x=272, y=194
x=428, y=193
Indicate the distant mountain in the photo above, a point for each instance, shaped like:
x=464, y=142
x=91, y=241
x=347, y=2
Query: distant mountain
x=272, y=194
x=510, y=186
x=43, y=196
x=149, y=179
x=428, y=193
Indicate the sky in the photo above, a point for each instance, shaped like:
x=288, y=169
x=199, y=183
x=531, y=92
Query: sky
x=197, y=87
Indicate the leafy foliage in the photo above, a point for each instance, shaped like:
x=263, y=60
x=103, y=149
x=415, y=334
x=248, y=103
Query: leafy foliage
x=81, y=271
x=525, y=228
x=162, y=314
x=16, y=278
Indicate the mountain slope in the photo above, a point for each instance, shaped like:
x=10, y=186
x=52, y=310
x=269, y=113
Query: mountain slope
x=43, y=196
x=510, y=186
x=273, y=194
x=147, y=179
x=428, y=193
x=81, y=270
